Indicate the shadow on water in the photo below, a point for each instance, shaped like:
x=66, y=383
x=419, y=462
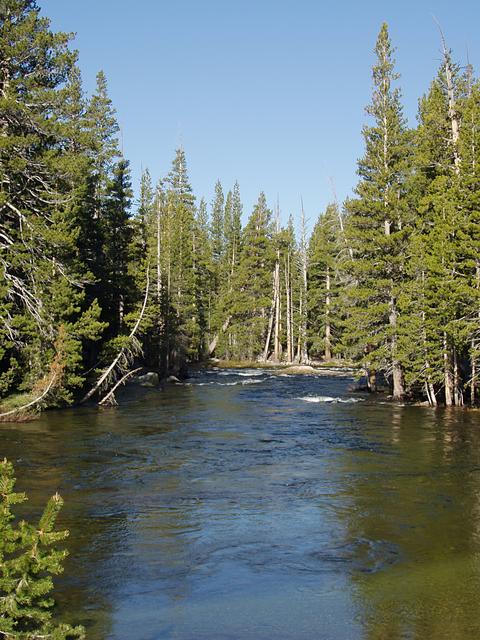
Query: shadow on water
x=249, y=506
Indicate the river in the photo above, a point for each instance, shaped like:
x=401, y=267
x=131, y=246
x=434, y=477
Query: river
x=250, y=506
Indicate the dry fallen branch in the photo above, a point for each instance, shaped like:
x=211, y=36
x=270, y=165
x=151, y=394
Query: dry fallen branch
x=110, y=398
x=32, y=403
x=122, y=353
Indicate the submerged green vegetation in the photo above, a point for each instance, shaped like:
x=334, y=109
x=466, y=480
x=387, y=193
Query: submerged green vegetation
x=94, y=287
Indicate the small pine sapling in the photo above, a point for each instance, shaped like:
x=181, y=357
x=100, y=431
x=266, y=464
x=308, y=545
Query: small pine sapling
x=29, y=557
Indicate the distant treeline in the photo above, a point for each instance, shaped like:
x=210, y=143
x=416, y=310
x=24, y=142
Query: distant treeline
x=93, y=286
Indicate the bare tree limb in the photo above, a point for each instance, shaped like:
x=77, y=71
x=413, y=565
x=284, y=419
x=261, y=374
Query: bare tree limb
x=32, y=402
x=121, y=354
x=123, y=379
x=213, y=344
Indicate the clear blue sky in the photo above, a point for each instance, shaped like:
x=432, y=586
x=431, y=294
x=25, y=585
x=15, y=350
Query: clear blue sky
x=271, y=93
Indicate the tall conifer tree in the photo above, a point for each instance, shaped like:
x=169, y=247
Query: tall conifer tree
x=252, y=284
x=44, y=314
x=377, y=228
x=324, y=315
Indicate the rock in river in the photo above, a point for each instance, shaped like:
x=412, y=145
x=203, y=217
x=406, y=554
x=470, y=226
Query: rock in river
x=149, y=379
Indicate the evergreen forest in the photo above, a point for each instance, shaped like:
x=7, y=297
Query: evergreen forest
x=96, y=285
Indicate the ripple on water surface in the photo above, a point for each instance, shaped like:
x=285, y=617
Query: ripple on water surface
x=248, y=505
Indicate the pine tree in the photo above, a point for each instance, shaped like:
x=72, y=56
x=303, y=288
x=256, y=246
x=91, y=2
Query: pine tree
x=222, y=337
x=274, y=323
x=252, y=284
x=302, y=348
x=99, y=135
x=324, y=313
x=102, y=126
x=41, y=172
x=29, y=557
x=145, y=255
x=217, y=225
x=107, y=172
x=469, y=150
x=228, y=241
x=234, y=240
x=435, y=301
x=117, y=233
x=377, y=226
x=143, y=218
x=183, y=329
x=292, y=284
x=204, y=277
x=219, y=257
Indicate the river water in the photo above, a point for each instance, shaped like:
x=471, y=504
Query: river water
x=251, y=506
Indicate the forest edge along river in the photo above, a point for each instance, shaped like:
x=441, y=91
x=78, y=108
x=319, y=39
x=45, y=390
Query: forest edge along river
x=251, y=505
x=244, y=504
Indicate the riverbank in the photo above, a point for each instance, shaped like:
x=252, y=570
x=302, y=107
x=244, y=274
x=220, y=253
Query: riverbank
x=332, y=368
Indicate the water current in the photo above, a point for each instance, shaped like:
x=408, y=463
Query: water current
x=246, y=505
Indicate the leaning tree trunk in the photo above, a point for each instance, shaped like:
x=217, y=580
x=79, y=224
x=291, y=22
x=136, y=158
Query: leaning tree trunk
x=271, y=319
x=213, y=343
x=4, y=417
x=110, y=370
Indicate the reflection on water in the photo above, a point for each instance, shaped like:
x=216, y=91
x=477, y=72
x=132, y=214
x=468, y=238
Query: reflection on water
x=236, y=507
x=425, y=506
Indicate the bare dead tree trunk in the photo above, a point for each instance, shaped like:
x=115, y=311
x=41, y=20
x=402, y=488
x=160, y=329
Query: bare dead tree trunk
x=277, y=346
x=158, y=256
x=169, y=293
x=213, y=344
x=340, y=219
x=473, y=344
x=298, y=355
x=429, y=388
x=397, y=370
x=457, y=391
x=30, y=404
x=271, y=319
x=158, y=260
x=430, y=393
x=289, y=310
x=120, y=310
x=473, y=374
x=452, y=107
x=328, y=338
x=473, y=121
x=303, y=349
x=447, y=374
